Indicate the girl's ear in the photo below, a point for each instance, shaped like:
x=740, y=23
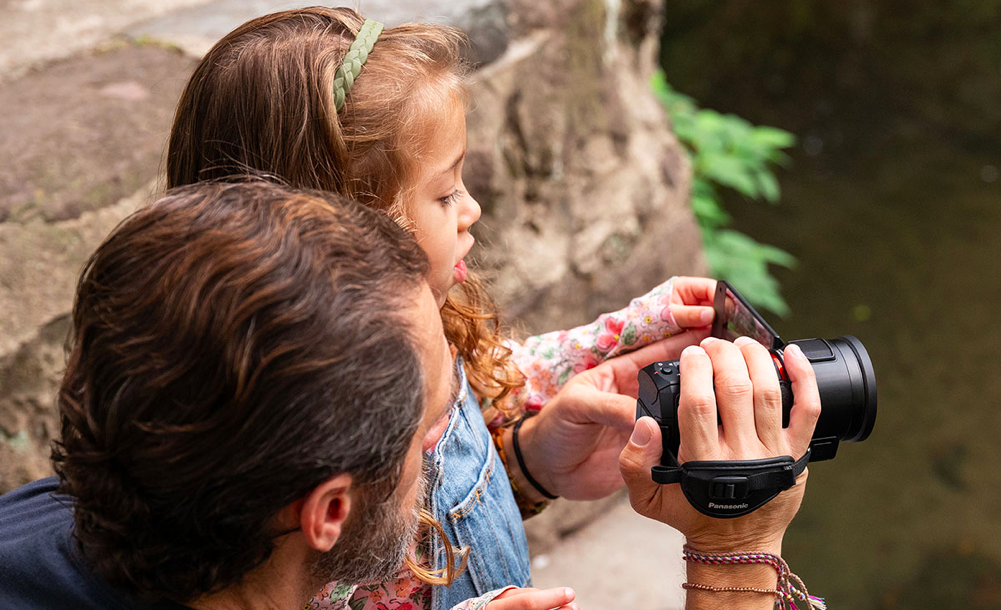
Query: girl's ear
x=323, y=510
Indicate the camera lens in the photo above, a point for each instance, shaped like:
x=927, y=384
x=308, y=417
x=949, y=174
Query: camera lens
x=847, y=385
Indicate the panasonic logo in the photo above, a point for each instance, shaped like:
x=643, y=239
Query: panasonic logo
x=728, y=506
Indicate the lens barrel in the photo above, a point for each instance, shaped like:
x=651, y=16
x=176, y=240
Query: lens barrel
x=847, y=384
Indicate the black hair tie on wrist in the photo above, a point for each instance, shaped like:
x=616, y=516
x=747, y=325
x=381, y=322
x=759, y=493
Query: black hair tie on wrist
x=521, y=462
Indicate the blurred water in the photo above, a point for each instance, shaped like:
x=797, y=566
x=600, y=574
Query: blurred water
x=893, y=206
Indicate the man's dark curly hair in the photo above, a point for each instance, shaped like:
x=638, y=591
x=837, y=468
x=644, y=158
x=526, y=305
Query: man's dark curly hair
x=233, y=346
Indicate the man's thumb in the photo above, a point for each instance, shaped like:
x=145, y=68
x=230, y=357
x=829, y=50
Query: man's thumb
x=641, y=453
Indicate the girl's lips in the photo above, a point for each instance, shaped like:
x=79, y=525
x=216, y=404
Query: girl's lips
x=459, y=272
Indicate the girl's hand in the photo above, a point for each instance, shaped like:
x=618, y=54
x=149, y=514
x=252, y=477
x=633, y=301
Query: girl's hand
x=560, y=598
x=692, y=301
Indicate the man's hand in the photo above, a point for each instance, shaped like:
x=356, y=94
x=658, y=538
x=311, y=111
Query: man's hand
x=560, y=598
x=738, y=381
x=571, y=448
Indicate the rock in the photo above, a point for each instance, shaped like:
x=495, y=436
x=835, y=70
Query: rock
x=36, y=32
x=583, y=186
x=40, y=265
x=87, y=131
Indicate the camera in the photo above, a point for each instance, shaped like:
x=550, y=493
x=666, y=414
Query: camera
x=844, y=372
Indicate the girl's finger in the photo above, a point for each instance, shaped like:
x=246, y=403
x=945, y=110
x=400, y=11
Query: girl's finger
x=692, y=316
x=806, y=400
x=697, y=407
x=767, y=393
x=533, y=599
x=695, y=290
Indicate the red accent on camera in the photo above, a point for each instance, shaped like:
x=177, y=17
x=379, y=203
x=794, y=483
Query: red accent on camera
x=780, y=367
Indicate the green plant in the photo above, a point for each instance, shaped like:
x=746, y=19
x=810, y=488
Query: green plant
x=728, y=152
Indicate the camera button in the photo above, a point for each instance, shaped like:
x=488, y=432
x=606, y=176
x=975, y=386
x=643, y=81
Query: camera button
x=728, y=488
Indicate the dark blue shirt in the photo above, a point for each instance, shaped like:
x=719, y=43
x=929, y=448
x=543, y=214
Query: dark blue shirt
x=41, y=567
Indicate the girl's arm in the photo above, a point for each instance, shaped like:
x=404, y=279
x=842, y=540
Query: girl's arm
x=548, y=361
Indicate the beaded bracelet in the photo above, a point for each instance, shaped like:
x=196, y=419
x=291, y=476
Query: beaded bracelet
x=788, y=588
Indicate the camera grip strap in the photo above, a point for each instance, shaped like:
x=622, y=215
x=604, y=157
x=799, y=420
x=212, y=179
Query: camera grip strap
x=726, y=489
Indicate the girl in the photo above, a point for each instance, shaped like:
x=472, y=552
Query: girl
x=320, y=98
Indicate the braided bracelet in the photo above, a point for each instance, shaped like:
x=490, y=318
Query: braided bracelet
x=521, y=462
x=788, y=589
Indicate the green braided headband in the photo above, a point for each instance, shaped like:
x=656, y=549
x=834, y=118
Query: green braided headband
x=355, y=58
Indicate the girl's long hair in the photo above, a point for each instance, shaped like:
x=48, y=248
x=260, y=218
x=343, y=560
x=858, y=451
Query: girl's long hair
x=261, y=101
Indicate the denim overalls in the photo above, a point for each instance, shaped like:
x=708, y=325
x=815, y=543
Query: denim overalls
x=471, y=498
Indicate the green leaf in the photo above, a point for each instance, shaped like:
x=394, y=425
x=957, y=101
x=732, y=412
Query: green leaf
x=708, y=212
x=729, y=171
x=772, y=137
x=769, y=186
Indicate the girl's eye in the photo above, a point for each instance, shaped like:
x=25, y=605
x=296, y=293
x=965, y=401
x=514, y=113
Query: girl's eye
x=451, y=199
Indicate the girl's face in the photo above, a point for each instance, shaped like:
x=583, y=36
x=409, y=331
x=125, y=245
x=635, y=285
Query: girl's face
x=443, y=211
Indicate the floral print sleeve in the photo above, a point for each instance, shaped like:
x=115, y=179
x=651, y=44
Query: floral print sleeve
x=548, y=361
x=478, y=603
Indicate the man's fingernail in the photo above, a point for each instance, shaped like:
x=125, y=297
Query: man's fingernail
x=692, y=350
x=793, y=349
x=741, y=341
x=706, y=316
x=708, y=340
x=641, y=434
x=568, y=593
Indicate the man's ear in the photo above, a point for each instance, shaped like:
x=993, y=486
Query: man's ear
x=324, y=510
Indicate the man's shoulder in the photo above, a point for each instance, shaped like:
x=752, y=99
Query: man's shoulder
x=40, y=565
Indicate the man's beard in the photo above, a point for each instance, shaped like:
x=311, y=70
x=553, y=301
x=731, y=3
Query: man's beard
x=376, y=536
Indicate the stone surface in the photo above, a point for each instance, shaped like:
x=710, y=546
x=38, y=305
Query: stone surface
x=619, y=561
x=83, y=134
x=197, y=28
x=39, y=266
x=35, y=32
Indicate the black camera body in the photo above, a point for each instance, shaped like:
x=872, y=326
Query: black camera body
x=845, y=379
x=842, y=367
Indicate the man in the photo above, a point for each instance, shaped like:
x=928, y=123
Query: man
x=254, y=375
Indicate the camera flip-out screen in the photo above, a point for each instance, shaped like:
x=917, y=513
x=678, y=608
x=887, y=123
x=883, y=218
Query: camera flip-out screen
x=736, y=318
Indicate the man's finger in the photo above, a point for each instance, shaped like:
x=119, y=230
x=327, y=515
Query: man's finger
x=606, y=408
x=806, y=400
x=641, y=453
x=734, y=393
x=767, y=393
x=533, y=599
x=692, y=316
x=697, y=407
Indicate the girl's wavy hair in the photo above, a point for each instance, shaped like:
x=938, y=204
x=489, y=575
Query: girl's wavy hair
x=262, y=100
x=231, y=344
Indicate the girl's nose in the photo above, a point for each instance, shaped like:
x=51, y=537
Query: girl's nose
x=469, y=213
